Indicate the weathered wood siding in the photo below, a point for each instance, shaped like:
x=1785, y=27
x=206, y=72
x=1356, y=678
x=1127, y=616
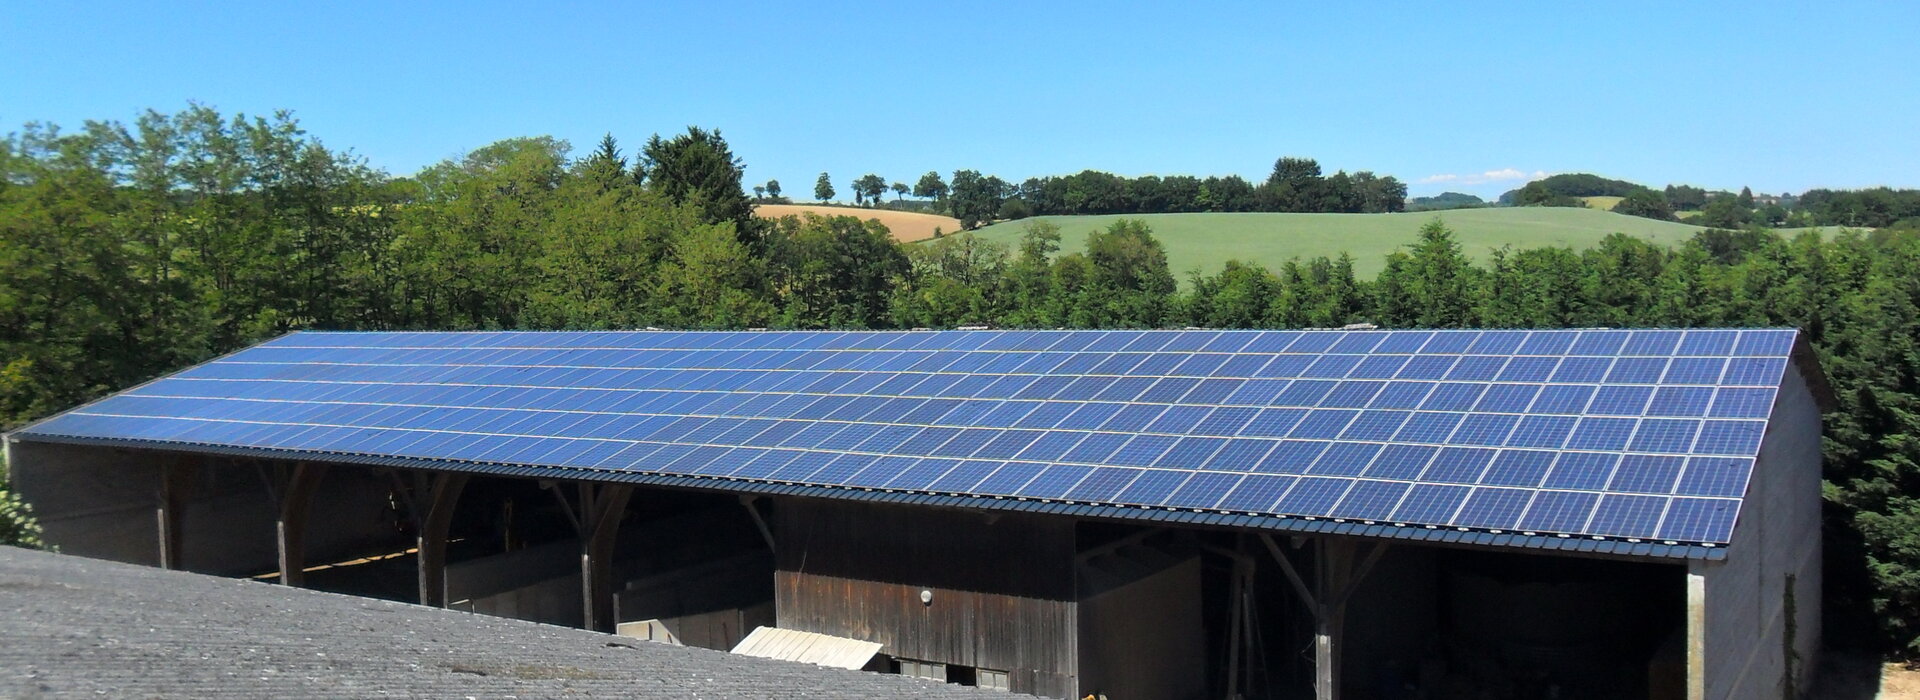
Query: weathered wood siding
x=100, y=502
x=1002, y=586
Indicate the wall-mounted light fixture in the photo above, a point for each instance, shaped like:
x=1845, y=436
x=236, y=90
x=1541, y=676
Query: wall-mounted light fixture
x=926, y=596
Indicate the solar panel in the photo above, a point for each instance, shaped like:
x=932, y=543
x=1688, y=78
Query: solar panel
x=1597, y=433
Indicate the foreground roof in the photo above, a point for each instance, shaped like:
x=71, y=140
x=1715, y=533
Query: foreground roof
x=1629, y=441
x=95, y=628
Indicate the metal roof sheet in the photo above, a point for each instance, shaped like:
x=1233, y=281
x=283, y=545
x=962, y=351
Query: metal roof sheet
x=807, y=647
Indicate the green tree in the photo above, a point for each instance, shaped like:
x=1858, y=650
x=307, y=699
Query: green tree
x=975, y=199
x=1431, y=286
x=957, y=280
x=1238, y=297
x=1296, y=171
x=869, y=187
x=710, y=280
x=1686, y=198
x=1541, y=194
x=464, y=260
x=930, y=186
x=1532, y=288
x=823, y=188
x=900, y=191
x=773, y=189
x=1379, y=194
x=834, y=272
x=1031, y=276
x=1645, y=203
x=698, y=168
x=607, y=165
x=1130, y=285
x=1724, y=212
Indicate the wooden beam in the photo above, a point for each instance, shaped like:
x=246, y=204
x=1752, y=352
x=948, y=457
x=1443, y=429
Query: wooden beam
x=602, y=507
x=566, y=509
x=1236, y=615
x=1299, y=586
x=295, y=502
x=1335, y=577
x=766, y=533
x=1359, y=574
x=431, y=537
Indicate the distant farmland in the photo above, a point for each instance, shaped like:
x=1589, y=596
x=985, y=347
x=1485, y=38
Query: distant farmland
x=1602, y=203
x=905, y=225
x=1208, y=241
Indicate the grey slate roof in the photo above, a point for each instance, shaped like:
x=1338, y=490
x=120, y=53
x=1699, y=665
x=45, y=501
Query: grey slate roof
x=71, y=626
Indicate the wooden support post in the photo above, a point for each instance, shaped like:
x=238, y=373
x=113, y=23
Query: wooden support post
x=601, y=509
x=295, y=501
x=1236, y=616
x=168, y=512
x=1330, y=580
x=1335, y=577
x=1696, y=630
x=431, y=537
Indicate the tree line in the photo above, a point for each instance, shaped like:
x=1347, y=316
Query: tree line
x=1295, y=185
x=130, y=250
x=1877, y=207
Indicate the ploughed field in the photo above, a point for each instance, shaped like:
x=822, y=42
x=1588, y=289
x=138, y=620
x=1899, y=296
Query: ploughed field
x=905, y=225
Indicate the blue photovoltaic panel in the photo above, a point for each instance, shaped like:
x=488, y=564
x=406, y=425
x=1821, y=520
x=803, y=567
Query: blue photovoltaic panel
x=1597, y=433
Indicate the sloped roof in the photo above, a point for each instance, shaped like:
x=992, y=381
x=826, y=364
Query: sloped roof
x=1629, y=441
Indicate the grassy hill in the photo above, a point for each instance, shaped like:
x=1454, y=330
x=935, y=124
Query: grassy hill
x=1208, y=241
x=905, y=225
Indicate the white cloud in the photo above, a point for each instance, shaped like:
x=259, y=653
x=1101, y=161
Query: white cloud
x=1488, y=177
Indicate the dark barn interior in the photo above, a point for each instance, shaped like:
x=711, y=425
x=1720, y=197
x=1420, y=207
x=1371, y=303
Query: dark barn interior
x=1051, y=602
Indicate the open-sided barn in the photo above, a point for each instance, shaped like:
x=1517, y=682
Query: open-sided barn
x=1597, y=513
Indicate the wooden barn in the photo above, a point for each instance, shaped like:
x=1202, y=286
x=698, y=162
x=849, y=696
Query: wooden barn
x=1127, y=514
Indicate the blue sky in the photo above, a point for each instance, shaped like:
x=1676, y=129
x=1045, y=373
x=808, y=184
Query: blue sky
x=1457, y=96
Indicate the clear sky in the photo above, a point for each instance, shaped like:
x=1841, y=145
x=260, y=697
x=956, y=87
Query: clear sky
x=1781, y=96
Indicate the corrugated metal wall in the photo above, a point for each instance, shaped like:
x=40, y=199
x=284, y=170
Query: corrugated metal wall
x=1002, y=586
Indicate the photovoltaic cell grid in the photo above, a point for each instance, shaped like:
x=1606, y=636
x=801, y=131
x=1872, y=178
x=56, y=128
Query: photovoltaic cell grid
x=1628, y=434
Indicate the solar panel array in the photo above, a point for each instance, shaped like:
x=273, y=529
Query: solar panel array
x=1631, y=434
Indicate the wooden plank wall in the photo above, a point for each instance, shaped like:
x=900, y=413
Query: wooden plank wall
x=1002, y=585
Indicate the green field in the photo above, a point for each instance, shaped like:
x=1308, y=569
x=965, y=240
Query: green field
x=1208, y=241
